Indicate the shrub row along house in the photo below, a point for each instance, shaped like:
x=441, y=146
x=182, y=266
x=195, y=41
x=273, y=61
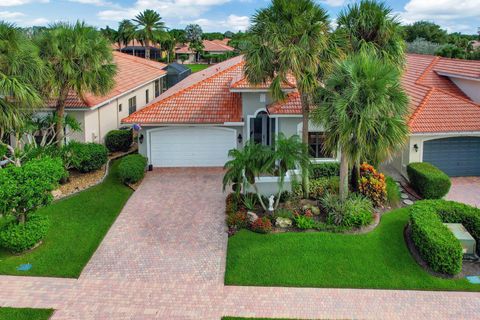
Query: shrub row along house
x=198, y=120
x=138, y=82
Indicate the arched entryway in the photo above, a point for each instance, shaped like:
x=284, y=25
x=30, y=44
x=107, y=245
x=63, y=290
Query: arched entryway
x=262, y=129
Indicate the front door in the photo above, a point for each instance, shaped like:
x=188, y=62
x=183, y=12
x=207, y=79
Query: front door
x=262, y=129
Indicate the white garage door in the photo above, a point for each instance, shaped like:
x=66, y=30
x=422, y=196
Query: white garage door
x=191, y=146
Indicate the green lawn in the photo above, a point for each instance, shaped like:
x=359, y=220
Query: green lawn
x=197, y=67
x=25, y=314
x=78, y=225
x=379, y=259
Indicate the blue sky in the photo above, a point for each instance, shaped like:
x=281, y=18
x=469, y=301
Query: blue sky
x=221, y=15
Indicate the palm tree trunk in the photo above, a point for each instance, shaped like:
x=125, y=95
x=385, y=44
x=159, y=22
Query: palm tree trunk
x=60, y=115
x=343, y=192
x=147, y=50
x=259, y=196
x=355, y=175
x=305, y=119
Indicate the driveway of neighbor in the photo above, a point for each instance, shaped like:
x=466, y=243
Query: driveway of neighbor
x=164, y=258
x=466, y=190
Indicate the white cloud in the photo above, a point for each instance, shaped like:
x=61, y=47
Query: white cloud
x=167, y=8
x=39, y=22
x=450, y=14
x=12, y=16
x=233, y=23
x=11, y=3
x=334, y=3
x=98, y=3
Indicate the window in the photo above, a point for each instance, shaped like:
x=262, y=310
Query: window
x=147, y=98
x=164, y=84
x=132, y=105
x=157, y=88
x=315, y=142
x=120, y=107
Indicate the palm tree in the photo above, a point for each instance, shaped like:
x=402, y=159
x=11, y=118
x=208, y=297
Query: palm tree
x=363, y=110
x=80, y=60
x=372, y=22
x=126, y=33
x=151, y=25
x=22, y=74
x=288, y=38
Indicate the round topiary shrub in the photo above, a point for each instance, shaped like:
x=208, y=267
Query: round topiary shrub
x=119, y=140
x=429, y=181
x=86, y=157
x=132, y=168
x=434, y=241
x=19, y=237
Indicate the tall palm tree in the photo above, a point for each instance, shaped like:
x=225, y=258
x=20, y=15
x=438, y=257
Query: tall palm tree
x=22, y=74
x=80, y=60
x=126, y=33
x=151, y=25
x=370, y=23
x=288, y=38
x=363, y=110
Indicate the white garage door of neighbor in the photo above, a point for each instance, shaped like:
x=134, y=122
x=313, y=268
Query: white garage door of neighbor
x=191, y=146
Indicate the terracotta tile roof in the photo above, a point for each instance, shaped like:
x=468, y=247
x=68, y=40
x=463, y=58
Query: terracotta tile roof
x=291, y=105
x=436, y=103
x=203, y=97
x=208, y=46
x=131, y=73
x=241, y=82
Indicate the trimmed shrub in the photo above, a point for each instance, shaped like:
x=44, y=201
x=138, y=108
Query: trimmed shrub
x=261, y=225
x=372, y=184
x=118, y=140
x=434, y=241
x=319, y=187
x=324, y=169
x=132, y=168
x=86, y=157
x=17, y=237
x=429, y=181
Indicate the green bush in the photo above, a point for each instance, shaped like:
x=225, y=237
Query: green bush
x=324, y=169
x=429, y=181
x=283, y=213
x=354, y=212
x=393, y=192
x=132, y=168
x=320, y=186
x=304, y=223
x=19, y=237
x=86, y=157
x=119, y=140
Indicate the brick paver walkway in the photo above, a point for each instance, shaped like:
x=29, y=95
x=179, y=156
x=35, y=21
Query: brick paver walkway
x=164, y=258
x=466, y=190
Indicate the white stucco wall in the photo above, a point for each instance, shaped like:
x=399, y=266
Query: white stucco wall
x=470, y=87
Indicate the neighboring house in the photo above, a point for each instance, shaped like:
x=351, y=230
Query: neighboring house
x=138, y=82
x=197, y=121
x=176, y=72
x=209, y=47
x=139, y=51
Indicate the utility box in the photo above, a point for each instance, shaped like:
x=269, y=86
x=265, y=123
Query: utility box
x=466, y=240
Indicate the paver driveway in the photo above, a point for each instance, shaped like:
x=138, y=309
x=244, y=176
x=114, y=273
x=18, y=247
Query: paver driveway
x=164, y=258
x=466, y=190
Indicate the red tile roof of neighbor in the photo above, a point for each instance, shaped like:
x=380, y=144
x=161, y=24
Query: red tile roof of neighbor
x=436, y=103
x=209, y=46
x=132, y=72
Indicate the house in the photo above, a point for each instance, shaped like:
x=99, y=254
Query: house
x=176, y=72
x=138, y=82
x=209, y=47
x=198, y=120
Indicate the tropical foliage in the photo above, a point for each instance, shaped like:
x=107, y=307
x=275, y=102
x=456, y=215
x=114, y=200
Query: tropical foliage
x=150, y=27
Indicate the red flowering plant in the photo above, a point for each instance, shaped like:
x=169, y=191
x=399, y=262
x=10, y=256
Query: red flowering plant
x=372, y=184
x=261, y=225
x=237, y=220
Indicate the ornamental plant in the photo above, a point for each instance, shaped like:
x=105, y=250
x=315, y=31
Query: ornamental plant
x=262, y=225
x=372, y=184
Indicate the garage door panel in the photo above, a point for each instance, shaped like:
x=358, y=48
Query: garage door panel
x=459, y=156
x=191, y=146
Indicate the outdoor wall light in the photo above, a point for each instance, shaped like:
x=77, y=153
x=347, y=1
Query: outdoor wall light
x=415, y=147
x=140, y=139
x=240, y=138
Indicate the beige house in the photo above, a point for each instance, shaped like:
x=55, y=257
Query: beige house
x=209, y=47
x=138, y=82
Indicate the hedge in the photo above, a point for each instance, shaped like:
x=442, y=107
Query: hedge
x=435, y=242
x=86, y=157
x=324, y=170
x=132, y=168
x=118, y=140
x=19, y=237
x=429, y=181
